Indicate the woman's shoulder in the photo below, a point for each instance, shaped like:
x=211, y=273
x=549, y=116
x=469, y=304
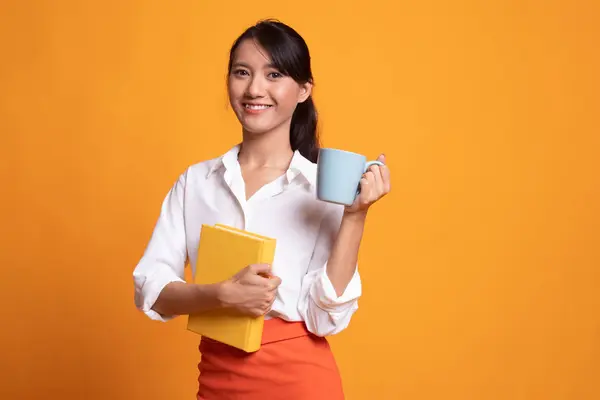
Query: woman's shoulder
x=203, y=169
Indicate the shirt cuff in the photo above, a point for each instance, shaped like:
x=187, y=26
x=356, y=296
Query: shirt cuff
x=148, y=291
x=326, y=298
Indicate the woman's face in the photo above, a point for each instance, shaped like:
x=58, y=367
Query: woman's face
x=262, y=98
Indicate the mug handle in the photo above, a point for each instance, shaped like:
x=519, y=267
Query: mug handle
x=369, y=163
x=367, y=166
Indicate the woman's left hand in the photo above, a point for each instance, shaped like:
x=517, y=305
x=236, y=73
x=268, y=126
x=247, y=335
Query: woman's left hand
x=374, y=184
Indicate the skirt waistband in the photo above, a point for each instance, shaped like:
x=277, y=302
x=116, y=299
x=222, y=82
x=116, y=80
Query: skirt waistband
x=276, y=329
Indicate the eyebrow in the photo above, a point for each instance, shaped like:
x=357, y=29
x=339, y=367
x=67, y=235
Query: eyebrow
x=242, y=64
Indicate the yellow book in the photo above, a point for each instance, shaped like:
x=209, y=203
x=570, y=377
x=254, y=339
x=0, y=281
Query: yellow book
x=222, y=252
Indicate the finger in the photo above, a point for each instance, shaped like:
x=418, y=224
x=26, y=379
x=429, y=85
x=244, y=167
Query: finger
x=267, y=306
x=256, y=280
x=273, y=284
x=365, y=190
x=267, y=310
x=262, y=269
x=385, y=173
x=385, y=177
x=256, y=312
x=269, y=297
x=376, y=170
x=275, y=281
x=372, y=184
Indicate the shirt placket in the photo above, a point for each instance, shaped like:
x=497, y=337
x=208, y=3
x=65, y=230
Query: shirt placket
x=237, y=186
x=265, y=193
x=235, y=183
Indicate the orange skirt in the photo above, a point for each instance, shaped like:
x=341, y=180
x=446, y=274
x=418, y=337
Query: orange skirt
x=292, y=364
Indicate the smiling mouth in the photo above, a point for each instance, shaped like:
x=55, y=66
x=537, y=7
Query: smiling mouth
x=256, y=106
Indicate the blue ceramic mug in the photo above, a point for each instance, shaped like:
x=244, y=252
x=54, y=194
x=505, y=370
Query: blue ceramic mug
x=338, y=175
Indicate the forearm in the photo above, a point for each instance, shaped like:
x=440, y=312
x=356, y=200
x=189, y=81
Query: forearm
x=180, y=298
x=344, y=253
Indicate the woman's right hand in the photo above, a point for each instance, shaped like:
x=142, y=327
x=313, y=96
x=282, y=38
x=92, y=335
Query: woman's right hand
x=251, y=291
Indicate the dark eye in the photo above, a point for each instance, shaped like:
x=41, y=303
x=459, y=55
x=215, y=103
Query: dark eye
x=275, y=75
x=240, y=72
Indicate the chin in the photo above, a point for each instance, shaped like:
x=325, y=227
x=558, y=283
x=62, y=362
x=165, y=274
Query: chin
x=258, y=124
x=255, y=129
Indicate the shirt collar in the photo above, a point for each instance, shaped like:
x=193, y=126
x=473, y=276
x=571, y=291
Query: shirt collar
x=299, y=166
x=227, y=160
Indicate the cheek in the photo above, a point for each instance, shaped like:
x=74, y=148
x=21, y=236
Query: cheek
x=235, y=89
x=286, y=96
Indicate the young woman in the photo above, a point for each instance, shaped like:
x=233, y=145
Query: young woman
x=265, y=184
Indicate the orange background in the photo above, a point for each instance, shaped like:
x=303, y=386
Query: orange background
x=481, y=269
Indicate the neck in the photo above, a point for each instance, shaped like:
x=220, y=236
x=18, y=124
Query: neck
x=271, y=149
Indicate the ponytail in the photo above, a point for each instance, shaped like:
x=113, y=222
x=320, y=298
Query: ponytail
x=303, y=130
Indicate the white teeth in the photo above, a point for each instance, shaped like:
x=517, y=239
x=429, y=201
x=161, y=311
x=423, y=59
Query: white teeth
x=257, y=106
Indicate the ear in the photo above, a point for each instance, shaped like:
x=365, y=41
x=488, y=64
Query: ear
x=305, y=92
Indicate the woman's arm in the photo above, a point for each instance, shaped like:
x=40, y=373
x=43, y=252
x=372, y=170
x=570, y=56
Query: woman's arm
x=332, y=285
x=180, y=298
x=344, y=253
x=161, y=267
x=251, y=291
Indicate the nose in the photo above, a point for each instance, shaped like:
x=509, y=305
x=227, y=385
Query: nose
x=256, y=87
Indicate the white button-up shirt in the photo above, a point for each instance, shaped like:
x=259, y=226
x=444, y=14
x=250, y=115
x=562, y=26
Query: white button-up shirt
x=286, y=209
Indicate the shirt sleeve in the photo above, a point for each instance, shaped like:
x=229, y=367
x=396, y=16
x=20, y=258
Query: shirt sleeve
x=164, y=258
x=324, y=312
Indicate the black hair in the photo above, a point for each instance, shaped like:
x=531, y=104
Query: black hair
x=290, y=55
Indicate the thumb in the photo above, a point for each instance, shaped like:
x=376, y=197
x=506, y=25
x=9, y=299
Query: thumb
x=381, y=158
x=262, y=269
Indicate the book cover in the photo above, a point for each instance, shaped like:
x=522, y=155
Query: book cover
x=222, y=252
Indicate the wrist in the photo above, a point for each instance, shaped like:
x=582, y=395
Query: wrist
x=222, y=294
x=209, y=295
x=355, y=216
